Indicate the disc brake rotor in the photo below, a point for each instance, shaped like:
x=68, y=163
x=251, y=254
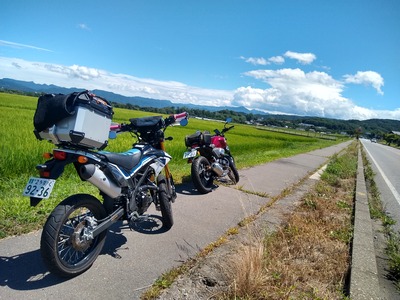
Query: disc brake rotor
x=79, y=240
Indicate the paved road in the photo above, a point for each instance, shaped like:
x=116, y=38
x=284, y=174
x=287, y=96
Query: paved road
x=385, y=162
x=132, y=260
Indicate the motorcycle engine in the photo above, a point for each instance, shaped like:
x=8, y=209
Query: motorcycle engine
x=218, y=152
x=224, y=162
x=221, y=166
x=144, y=199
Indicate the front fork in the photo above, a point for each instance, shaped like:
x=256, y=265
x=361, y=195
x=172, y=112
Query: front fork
x=168, y=178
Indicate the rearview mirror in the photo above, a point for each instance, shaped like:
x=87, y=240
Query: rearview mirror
x=112, y=135
x=183, y=122
x=228, y=120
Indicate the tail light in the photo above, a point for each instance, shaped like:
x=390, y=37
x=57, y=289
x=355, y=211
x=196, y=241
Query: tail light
x=44, y=174
x=59, y=155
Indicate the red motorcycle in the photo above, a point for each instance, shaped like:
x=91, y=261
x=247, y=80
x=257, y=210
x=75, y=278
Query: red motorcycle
x=210, y=158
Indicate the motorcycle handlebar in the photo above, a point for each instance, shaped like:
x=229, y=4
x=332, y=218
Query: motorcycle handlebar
x=228, y=128
x=115, y=127
x=175, y=118
x=181, y=116
x=167, y=121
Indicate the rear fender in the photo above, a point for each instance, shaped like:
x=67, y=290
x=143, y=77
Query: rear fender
x=53, y=169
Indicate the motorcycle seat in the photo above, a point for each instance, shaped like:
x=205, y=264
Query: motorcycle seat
x=126, y=160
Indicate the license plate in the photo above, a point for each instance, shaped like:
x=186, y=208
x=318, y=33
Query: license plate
x=39, y=187
x=190, y=154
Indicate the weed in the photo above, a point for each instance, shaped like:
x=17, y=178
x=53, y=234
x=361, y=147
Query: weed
x=307, y=258
x=343, y=204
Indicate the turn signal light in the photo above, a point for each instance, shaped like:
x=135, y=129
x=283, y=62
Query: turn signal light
x=82, y=159
x=47, y=155
x=59, y=155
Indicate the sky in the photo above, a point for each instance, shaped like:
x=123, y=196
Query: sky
x=335, y=59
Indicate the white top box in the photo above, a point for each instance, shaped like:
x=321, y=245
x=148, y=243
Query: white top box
x=88, y=125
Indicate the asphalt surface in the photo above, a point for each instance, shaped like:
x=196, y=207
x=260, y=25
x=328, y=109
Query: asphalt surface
x=385, y=163
x=133, y=259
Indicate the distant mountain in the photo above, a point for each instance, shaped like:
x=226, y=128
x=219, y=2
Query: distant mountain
x=30, y=86
x=371, y=128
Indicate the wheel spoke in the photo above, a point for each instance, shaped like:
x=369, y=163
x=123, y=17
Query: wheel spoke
x=66, y=251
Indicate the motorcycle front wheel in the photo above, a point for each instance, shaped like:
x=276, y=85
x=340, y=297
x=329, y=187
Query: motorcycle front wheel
x=233, y=174
x=66, y=249
x=165, y=203
x=201, y=175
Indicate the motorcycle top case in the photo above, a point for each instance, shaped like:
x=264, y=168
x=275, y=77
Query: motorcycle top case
x=198, y=138
x=79, y=119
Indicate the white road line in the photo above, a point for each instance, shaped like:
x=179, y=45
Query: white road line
x=389, y=184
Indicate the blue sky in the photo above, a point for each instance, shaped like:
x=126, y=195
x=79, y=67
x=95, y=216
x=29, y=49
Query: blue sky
x=337, y=59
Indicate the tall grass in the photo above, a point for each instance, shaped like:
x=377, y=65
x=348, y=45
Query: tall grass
x=20, y=152
x=309, y=256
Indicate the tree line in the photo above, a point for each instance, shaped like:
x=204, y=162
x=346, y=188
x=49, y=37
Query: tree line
x=373, y=128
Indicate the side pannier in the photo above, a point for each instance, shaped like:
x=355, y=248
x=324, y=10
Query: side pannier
x=80, y=119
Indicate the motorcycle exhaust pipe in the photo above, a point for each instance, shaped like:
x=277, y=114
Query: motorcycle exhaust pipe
x=217, y=168
x=97, y=177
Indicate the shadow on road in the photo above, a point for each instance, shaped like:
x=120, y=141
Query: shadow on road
x=189, y=190
x=152, y=224
x=26, y=271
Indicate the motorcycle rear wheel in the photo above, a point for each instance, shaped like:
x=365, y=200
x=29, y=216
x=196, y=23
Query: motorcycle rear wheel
x=165, y=203
x=201, y=175
x=64, y=249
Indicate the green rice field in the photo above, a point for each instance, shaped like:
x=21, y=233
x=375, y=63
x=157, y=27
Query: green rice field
x=20, y=152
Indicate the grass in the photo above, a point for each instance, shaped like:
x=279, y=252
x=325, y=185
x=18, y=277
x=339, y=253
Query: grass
x=307, y=258
x=21, y=152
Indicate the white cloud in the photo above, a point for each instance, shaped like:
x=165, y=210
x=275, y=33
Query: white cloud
x=276, y=60
x=295, y=92
x=91, y=78
x=20, y=46
x=83, y=26
x=367, y=78
x=292, y=91
x=255, y=60
x=288, y=91
x=261, y=61
x=303, y=58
